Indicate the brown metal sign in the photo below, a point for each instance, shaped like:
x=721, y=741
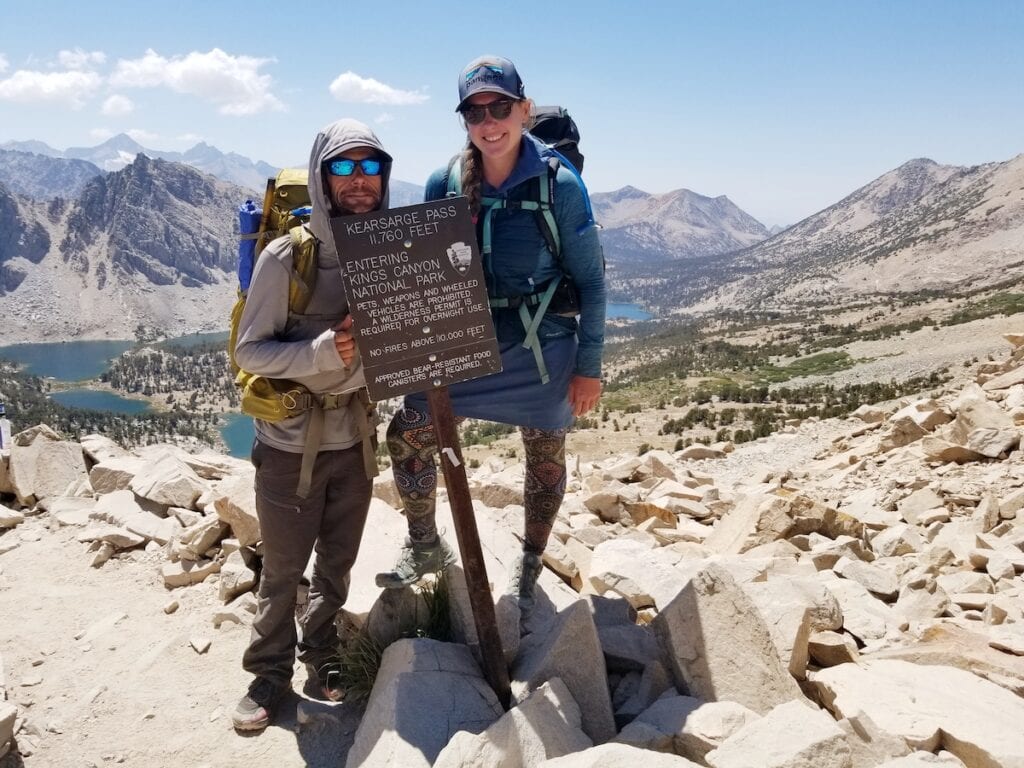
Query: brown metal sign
x=415, y=288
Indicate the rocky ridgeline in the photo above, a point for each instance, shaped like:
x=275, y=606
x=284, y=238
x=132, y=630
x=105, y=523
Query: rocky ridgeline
x=862, y=609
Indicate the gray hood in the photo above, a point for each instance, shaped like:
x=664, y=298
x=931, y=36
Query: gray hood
x=331, y=141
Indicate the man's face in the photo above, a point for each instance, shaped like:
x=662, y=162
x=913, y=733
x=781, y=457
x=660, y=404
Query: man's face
x=357, y=193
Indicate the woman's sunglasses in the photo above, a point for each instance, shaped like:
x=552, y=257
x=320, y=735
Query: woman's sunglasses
x=345, y=167
x=474, y=114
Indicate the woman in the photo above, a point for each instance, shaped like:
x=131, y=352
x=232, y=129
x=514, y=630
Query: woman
x=543, y=386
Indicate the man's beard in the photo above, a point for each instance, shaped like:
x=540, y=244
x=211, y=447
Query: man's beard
x=340, y=209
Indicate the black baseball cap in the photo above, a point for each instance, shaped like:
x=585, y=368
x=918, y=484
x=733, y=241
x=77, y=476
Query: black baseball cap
x=490, y=74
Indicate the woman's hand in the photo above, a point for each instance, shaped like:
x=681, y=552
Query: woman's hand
x=584, y=392
x=344, y=341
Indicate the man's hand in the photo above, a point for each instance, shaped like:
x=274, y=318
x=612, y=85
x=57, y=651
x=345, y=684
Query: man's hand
x=344, y=341
x=584, y=392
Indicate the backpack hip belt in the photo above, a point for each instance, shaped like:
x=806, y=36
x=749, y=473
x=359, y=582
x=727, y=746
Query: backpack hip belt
x=359, y=405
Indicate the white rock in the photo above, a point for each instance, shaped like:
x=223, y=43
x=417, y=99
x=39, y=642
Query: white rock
x=543, y=726
x=719, y=647
x=686, y=726
x=235, y=502
x=792, y=735
x=169, y=481
x=570, y=650
x=618, y=756
x=425, y=692
x=925, y=707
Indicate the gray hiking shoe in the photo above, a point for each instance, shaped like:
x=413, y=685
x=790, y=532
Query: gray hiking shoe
x=416, y=561
x=257, y=708
x=522, y=583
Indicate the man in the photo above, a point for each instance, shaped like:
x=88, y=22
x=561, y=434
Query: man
x=313, y=469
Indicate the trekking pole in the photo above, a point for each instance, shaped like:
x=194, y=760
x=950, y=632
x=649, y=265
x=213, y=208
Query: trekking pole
x=495, y=669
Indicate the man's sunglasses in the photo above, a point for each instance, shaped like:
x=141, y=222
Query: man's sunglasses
x=474, y=114
x=345, y=167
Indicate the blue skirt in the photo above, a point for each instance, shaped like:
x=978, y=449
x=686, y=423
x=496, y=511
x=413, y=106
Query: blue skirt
x=516, y=395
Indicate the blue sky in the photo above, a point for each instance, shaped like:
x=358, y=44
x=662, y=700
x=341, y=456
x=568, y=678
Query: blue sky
x=785, y=107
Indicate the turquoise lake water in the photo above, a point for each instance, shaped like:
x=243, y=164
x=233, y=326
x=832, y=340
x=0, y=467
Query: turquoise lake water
x=238, y=434
x=66, y=361
x=99, y=401
x=626, y=312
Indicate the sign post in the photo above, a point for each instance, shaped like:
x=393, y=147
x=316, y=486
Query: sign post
x=416, y=292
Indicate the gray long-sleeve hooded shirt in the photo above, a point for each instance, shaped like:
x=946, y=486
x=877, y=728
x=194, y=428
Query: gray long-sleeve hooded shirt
x=302, y=349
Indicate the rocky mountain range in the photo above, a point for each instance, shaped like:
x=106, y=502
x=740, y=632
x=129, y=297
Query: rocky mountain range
x=121, y=150
x=922, y=226
x=71, y=233
x=152, y=244
x=644, y=228
x=42, y=177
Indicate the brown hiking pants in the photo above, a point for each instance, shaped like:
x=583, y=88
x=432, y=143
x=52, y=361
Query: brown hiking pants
x=330, y=519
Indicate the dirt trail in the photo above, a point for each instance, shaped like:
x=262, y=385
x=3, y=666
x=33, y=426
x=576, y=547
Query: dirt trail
x=132, y=690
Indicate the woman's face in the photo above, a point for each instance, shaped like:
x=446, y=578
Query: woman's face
x=498, y=139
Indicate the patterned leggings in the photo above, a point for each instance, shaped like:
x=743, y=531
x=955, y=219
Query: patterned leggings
x=413, y=449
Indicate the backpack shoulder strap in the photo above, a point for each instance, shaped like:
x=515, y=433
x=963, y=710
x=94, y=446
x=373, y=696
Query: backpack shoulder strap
x=545, y=213
x=453, y=179
x=302, y=279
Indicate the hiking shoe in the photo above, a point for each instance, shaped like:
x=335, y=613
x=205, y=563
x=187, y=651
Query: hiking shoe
x=258, y=706
x=523, y=581
x=416, y=561
x=329, y=676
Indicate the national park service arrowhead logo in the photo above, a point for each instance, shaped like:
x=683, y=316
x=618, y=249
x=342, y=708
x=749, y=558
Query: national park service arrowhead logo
x=461, y=256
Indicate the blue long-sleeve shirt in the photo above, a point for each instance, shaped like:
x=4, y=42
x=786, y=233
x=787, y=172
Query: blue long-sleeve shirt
x=521, y=262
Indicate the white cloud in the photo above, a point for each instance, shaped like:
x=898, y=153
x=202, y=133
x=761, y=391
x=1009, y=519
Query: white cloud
x=118, y=105
x=350, y=87
x=71, y=88
x=234, y=83
x=100, y=134
x=384, y=117
x=79, y=59
x=3, y=63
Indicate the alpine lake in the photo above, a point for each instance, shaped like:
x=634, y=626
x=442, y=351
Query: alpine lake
x=71, y=363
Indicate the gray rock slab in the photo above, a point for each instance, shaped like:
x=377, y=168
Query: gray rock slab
x=235, y=502
x=122, y=509
x=925, y=760
x=927, y=706
x=184, y=573
x=99, y=448
x=169, y=481
x=44, y=468
x=719, y=646
x=570, y=650
x=792, y=609
x=968, y=649
x=10, y=518
x=755, y=519
x=876, y=580
x=8, y=714
x=793, y=735
x=644, y=575
x=71, y=511
x=864, y=616
x=543, y=726
x=236, y=577
x=425, y=692
x=115, y=474
x=686, y=726
x=618, y=756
